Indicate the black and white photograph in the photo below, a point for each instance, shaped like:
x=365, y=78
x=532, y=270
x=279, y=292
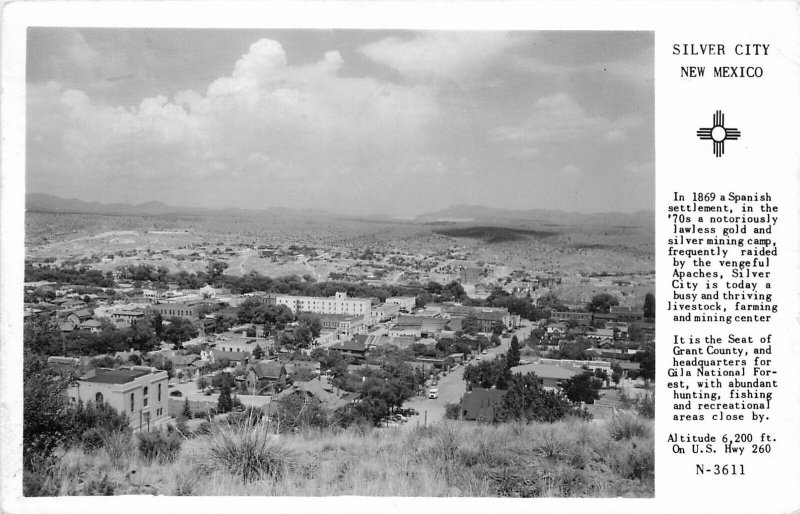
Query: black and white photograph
x=339, y=262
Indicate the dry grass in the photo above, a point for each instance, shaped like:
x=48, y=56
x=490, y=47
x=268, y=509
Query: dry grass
x=566, y=459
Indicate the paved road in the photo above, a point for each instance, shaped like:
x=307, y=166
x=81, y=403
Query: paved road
x=452, y=387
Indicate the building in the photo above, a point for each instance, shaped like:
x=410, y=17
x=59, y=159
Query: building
x=265, y=377
x=417, y=326
x=350, y=348
x=139, y=392
x=233, y=358
x=385, y=312
x=189, y=311
x=550, y=377
x=622, y=313
x=128, y=316
x=487, y=317
x=343, y=324
x=92, y=325
x=481, y=404
x=405, y=303
x=583, y=318
x=340, y=303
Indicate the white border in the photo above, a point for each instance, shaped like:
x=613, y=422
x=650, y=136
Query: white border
x=697, y=21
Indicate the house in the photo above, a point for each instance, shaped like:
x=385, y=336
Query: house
x=322, y=392
x=550, y=377
x=481, y=404
x=128, y=316
x=265, y=377
x=63, y=364
x=78, y=317
x=91, y=325
x=140, y=392
x=234, y=358
x=350, y=349
x=312, y=367
x=66, y=327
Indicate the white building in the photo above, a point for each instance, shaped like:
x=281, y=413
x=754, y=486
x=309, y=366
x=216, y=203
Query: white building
x=338, y=304
x=406, y=303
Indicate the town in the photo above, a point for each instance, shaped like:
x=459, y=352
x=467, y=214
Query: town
x=175, y=353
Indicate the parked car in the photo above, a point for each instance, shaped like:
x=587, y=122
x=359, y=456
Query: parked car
x=433, y=393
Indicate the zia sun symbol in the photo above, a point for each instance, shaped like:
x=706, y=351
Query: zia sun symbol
x=718, y=133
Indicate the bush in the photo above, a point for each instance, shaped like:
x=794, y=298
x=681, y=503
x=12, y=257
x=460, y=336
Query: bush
x=159, y=446
x=626, y=425
x=452, y=410
x=646, y=406
x=92, y=439
x=175, y=392
x=250, y=453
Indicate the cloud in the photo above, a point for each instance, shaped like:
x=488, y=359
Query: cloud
x=640, y=168
x=266, y=122
x=454, y=56
x=559, y=118
x=570, y=170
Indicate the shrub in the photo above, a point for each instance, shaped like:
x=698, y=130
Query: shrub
x=92, y=439
x=175, y=392
x=250, y=453
x=452, y=410
x=159, y=446
x=626, y=425
x=646, y=406
x=118, y=446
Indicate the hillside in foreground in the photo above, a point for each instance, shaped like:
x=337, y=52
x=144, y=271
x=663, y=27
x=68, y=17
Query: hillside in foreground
x=570, y=458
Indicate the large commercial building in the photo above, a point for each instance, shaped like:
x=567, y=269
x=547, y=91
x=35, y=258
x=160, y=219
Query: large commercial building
x=337, y=304
x=182, y=310
x=139, y=391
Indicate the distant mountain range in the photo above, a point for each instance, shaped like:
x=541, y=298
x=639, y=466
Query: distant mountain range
x=479, y=213
x=460, y=214
x=39, y=202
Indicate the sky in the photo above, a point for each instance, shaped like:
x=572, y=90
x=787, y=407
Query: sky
x=359, y=122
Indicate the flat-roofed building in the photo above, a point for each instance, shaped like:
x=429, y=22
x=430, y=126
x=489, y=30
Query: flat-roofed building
x=140, y=392
x=181, y=310
x=406, y=303
x=340, y=303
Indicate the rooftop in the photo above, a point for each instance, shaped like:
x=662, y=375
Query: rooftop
x=114, y=376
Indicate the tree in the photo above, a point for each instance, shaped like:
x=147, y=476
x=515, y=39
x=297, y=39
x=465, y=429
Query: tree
x=215, y=269
x=616, y=373
x=470, y=324
x=512, y=357
x=528, y=402
x=187, y=410
x=179, y=330
x=649, y=306
x=158, y=324
x=602, y=303
x=487, y=374
x=225, y=402
x=583, y=388
x=647, y=363
x=258, y=353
